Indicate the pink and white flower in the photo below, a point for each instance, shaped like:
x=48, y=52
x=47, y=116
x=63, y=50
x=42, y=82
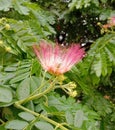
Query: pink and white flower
x=112, y=21
x=57, y=60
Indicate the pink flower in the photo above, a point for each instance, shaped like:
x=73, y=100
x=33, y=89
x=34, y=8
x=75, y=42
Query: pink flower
x=105, y=26
x=57, y=60
x=112, y=21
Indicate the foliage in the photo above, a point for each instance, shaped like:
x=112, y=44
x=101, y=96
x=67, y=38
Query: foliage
x=24, y=23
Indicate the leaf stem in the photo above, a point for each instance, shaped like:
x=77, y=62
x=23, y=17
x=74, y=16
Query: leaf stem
x=40, y=116
x=32, y=97
x=2, y=121
x=40, y=87
x=39, y=94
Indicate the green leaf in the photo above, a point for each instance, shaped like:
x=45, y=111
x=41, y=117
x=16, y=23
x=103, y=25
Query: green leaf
x=23, y=89
x=28, y=86
x=5, y=95
x=5, y=5
x=6, y=77
x=79, y=118
x=16, y=124
x=17, y=4
x=103, y=1
x=44, y=126
x=30, y=105
x=21, y=71
x=10, y=68
x=97, y=65
x=36, y=67
x=21, y=45
x=110, y=51
x=96, y=2
x=78, y=4
x=26, y=116
x=69, y=117
x=19, y=77
x=105, y=14
x=34, y=83
x=2, y=127
x=4, y=104
x=104, y=62
x=113, y=117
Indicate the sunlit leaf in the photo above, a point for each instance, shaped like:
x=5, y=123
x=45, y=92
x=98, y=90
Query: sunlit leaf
x=5, y=5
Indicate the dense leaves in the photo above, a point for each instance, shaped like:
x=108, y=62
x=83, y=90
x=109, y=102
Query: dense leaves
x=25, y=99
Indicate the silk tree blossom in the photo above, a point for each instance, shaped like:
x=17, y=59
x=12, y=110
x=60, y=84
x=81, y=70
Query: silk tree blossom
x=111, y=23
x=57, y=60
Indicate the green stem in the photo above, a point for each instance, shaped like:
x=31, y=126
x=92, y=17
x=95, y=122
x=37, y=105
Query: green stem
x=18, y=105
x=2, y=121
x=39, y=94
x=30, y=125
x=40, y=87
x=40, y=116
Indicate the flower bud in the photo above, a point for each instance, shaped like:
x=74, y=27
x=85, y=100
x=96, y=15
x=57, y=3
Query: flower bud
x=99, y=23
x=8, y=49
x=61, y=78
x=2, y=20
x=73, y=94
x=1, y=42
x=72, y=85
x=7, y=26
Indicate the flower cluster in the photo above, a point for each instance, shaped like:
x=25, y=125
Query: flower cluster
x=70, y=89
x=57, y=60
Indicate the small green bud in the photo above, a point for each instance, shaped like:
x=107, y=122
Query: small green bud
x=72, y=85
x=2, y=20
x=61, y=78
x=99, y=23
x=73, y=94
x=1, y=42
x=7, y=26
x=8, y=49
